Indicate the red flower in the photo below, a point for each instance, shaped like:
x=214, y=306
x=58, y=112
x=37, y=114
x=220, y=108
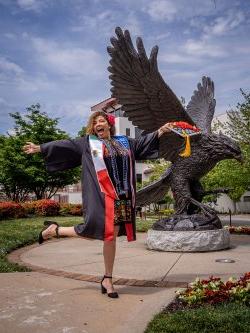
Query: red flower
x=111, y=119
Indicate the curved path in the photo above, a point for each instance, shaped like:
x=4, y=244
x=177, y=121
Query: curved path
x=61, y=293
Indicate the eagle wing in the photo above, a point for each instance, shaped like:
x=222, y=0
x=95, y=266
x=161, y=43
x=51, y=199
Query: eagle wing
x=202, y=105
x=154, y=192
x=139, y=87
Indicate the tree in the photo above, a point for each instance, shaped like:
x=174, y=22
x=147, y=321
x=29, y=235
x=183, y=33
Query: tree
x=21, y=174
x=238, y=125
x=229, y=173
x=12, y=169
x=82, y=132
x=158, y=168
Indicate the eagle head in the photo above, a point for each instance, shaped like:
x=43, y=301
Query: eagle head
x=228, y=148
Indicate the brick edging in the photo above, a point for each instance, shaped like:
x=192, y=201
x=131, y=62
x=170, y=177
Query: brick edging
x=15, y=257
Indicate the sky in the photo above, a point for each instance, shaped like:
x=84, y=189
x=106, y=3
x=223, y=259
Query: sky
x=53, y=52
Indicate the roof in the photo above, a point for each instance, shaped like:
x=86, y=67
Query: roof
x=107, y=105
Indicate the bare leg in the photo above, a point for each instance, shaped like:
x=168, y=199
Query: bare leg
x=109, y=248
x=62, y=231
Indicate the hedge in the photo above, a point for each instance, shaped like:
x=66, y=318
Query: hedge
x=44, y=207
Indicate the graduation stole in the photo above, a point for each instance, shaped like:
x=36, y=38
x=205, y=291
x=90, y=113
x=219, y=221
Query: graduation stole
x=106, y=185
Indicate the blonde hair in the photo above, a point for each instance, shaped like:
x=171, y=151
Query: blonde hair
x=90, y=125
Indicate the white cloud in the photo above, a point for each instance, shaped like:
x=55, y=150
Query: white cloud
x=241, y=49
x=73, y=114
x=181, y=10
x=5, y=120
x=132, y=23
x=203, y=48
x=33, y=5
x=10, y=35
x=161, y=10
x=11, y=74
x=153, y=38
x=162, y=36
x=76, y=108
x=193, y=52
x=103, y=22
x=178, y=58
x=7, y=66
x=95, y=21
x=67, y=60
x=183, y=75
x=224, y=24
x=32, y=84
x=3, y=101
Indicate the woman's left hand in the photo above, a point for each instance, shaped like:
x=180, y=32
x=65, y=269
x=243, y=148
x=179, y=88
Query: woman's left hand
x=166, y=128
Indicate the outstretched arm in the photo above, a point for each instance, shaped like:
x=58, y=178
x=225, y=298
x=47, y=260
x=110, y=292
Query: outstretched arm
x=58, y=155
x=147, y=146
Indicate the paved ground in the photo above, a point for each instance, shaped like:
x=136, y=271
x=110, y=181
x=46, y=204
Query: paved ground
x=38, y=303
x=60, y=298
x=236, y=220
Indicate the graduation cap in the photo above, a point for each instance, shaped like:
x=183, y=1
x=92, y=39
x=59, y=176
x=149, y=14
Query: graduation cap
x=185, y=130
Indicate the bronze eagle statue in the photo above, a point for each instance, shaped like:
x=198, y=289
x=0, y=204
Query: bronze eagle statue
x=149, y=103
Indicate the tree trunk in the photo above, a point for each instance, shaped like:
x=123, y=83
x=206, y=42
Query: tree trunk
x=235, y=208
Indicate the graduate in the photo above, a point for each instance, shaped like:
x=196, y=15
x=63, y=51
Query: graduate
x=108, y=183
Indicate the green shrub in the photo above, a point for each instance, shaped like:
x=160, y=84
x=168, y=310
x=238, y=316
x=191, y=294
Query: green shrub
x=166, y=212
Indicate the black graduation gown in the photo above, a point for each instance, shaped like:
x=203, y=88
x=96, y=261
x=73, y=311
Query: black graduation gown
x=65, y=154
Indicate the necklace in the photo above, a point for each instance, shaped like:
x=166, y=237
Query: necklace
x=116, y=149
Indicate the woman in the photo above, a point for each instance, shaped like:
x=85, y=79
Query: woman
x=108, y=181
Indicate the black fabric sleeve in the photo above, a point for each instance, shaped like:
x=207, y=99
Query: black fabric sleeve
x=146, y=147
x=62, y=154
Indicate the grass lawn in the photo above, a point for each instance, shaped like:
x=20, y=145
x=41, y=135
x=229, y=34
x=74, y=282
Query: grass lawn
x=16, y=233
x=224, y=318
x=144, y=225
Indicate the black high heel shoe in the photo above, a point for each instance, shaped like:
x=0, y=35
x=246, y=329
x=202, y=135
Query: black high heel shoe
x=47, y=224
x=104, y=290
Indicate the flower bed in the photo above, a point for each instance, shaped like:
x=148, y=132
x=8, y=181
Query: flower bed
x=9, y=209
x=238, y=230
x=29, y=207
x=44, y=207
x=214, y=290
x=71, y=209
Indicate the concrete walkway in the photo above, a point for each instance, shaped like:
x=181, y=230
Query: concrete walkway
x=60, y=297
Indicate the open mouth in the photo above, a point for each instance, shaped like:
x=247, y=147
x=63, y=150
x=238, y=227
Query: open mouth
x=100, y=131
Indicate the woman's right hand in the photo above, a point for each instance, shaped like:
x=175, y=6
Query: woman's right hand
x=31, y=148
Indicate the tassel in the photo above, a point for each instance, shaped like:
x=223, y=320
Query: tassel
x=187, y=151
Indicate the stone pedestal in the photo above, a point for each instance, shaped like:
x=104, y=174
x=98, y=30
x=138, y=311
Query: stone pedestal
x=188, y=241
